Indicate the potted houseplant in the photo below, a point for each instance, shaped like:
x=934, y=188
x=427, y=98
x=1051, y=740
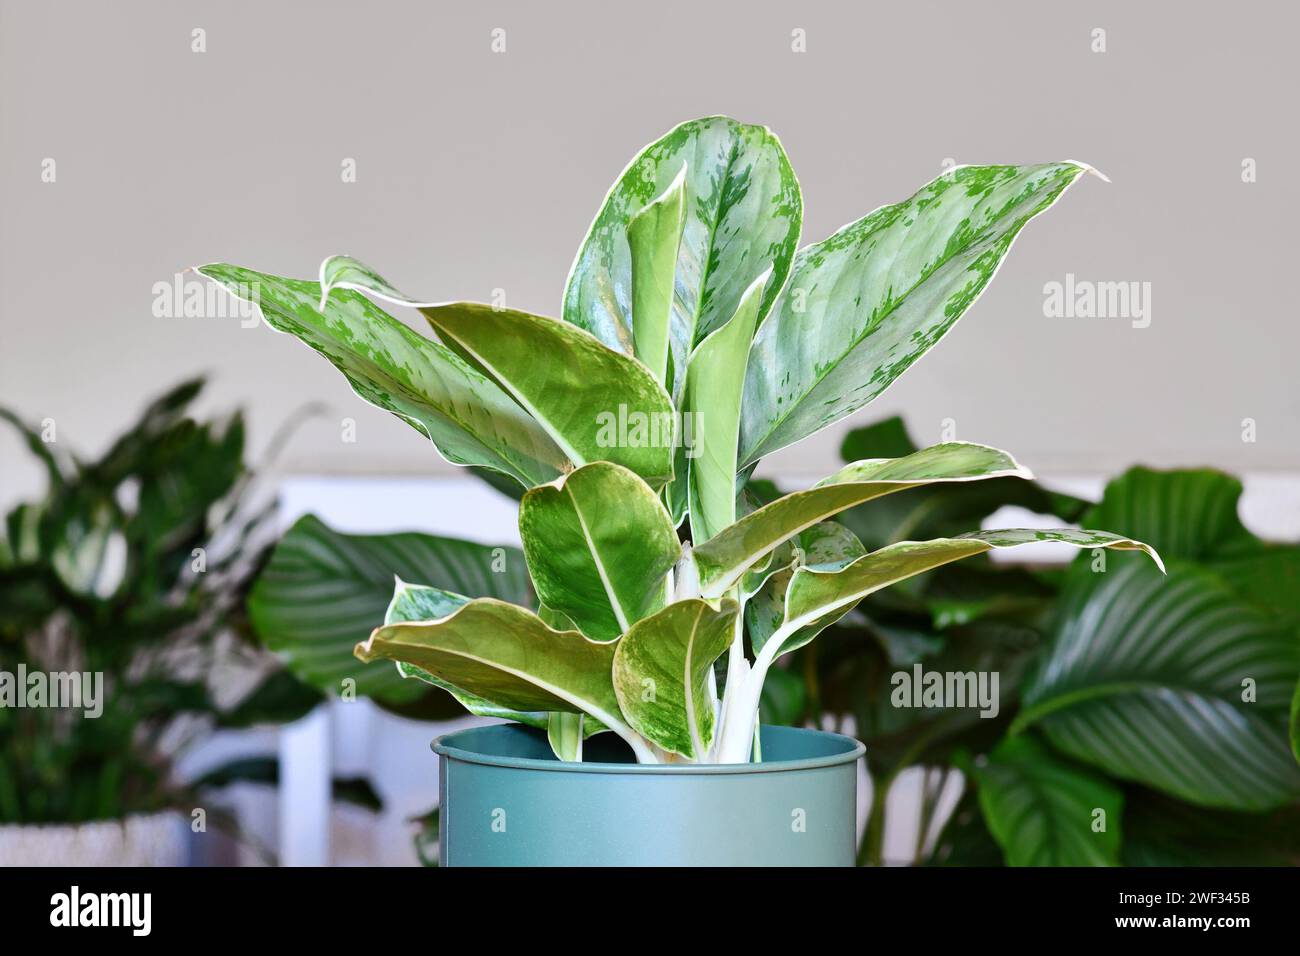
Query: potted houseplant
x=693, y=340
x=124, y=642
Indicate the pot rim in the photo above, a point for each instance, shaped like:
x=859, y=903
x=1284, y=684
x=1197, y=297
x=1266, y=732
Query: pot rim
x=446, y=746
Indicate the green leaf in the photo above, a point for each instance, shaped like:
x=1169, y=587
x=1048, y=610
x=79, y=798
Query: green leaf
x=1295, y=723
x=324, y=591
x=743, y=211
x=944, y=510
x=418, y=602
x=824, y=547
x=583, y=394
x=714, y=382
x=784, y=698
x=564, y=733
x=508, y=655
x=599, y=545
x=724, y=558
x=816, y=598
x=1152, y=678
x=1043, y=811
x=654, y=238
x=863, y=305
x=1160, y=831
x=467, y=416
x=661, y=673
x=1184, y=514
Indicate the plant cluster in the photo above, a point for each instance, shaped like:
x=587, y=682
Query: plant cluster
x=694, y=339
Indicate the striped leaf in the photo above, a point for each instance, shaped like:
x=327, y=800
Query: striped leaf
x=743, y=212
x=509, y=656
x=1044, y=811
x=863, y=305
x=727, y=556
x=469, y=418
x=1161, y=680
x=574, y=388
x=324, y=591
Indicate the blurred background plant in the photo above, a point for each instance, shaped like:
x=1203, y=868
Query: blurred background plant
x=137, y=565
x=1142, y=720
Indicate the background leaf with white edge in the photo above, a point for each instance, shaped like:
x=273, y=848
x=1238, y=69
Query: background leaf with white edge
x=715, y=381
x=468, y=417
x=661, y=673
x=863, y=305
x=743, y=211
x=574, y=387
x=323, y=591
x=1045, y=812
x=508, y=655
x=1154, y=679
x=599, y=546
x=723, y=559
x=654, y=237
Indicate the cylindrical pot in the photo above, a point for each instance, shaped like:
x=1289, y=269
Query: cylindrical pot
x=506, y=801
x=152, y=839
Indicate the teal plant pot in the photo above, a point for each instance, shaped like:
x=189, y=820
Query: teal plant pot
x=506, y=801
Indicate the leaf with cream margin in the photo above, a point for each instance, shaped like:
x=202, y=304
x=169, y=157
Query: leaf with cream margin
x=574, y=387
x=661, y=671
x=564, y=734
x=654, y=237
x=467, y=416
x=420, y=602
x=861, y=306
x=817, y=598
x=823, y=547
x=509, y=656
x=599, y=546
x=715, y=381
x=724, y=558
x=743, y=211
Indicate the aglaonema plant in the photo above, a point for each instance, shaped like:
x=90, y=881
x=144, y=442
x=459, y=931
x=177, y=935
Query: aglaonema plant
x=693, y=340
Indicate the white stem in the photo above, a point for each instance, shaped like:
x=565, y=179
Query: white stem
x=740, y=713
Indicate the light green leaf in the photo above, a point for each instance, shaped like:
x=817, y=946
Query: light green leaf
x=564, y=733
x=467, y=416
x=863, y=305
x=816, y=599
x=661, y=673
x=582, y=394
x=743, y=211
x=1045, y=812
x=599, y=545
x=724, y=558
x=654, y=237
x=823, y=547
x=508, y=655
x=714, y=382
x=323, y=591
x=418, y=602
x=1160, y=679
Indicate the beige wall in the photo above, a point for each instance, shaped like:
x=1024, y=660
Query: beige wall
x=478, y=171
